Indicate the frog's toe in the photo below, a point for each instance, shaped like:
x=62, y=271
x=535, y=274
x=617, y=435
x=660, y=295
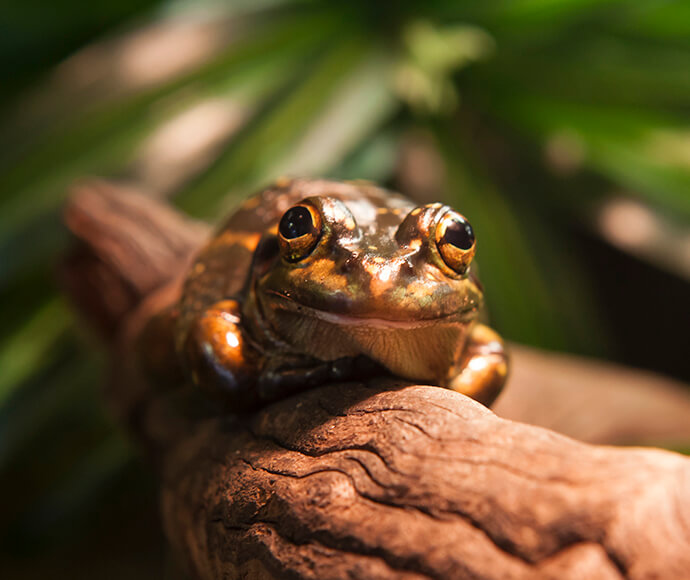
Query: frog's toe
x=482, y=378
x=483, y=369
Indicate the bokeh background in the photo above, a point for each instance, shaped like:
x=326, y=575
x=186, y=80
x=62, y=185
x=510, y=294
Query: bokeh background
x=561, y=128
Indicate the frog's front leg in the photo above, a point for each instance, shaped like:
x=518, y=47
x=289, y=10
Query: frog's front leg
x=224, y=361
x=483, y=367
x=220, y=356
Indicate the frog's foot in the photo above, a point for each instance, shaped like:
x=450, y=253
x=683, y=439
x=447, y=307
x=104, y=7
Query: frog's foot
x=284, y=375
x=221, y=358
x=482, y=370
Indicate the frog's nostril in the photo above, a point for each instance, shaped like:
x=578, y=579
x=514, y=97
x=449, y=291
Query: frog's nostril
x=349, y=265
x=407, y=268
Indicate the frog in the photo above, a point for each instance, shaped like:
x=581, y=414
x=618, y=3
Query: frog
x=314, y=281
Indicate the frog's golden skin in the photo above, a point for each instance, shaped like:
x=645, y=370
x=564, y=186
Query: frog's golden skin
x=313, y=281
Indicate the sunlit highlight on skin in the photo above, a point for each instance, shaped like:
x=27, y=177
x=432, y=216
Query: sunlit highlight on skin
x=232, y=340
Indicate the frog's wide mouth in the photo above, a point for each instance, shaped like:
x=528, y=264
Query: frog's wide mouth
x=372, y=319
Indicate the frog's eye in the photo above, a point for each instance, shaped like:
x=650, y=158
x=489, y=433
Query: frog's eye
x=455, y=241
x=298, y=231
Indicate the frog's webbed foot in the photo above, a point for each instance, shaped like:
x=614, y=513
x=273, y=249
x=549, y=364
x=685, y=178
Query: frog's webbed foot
x=483, y=367
x=220, y=357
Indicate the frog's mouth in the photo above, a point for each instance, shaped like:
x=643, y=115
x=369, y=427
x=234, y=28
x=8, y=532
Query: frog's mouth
x=373, y=320
x=420, y=349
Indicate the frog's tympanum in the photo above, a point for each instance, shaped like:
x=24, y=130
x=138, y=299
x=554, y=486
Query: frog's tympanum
x=314, y=281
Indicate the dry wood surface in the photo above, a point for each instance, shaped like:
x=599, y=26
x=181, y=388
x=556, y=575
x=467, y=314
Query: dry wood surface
x=383, y=480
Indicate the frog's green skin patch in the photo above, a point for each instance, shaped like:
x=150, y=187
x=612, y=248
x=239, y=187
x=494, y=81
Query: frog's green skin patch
x=374, y=284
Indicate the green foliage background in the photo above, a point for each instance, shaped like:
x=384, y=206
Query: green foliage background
x=333, y=89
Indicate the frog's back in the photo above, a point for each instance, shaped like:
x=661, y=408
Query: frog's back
x=221, y=269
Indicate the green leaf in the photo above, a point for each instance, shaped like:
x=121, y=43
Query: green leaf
x=38, y=410
x=103, y=142
x=246, y=161
x=600, y=69
x=361, y=103
x=669, y=20
x=373, y=160
x=32, y=346
x=644, y=152
x=533, y=292
x=547, y=12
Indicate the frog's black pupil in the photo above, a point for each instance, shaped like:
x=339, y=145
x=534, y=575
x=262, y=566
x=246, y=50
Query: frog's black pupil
x=460, y=234
x=295, y=223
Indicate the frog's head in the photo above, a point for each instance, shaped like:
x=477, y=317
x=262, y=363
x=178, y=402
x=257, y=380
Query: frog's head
x=346, y=272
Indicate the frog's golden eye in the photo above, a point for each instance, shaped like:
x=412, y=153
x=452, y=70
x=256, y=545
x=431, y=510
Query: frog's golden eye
x=455, y=241
x=298, y=231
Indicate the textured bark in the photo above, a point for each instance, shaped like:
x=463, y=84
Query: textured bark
x=127, y=247
x=370, y=481
x=354, y=482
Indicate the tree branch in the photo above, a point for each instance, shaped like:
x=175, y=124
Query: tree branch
x=377, y=480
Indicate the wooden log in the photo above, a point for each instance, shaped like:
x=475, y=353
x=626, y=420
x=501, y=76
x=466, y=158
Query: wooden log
x=127, y=246
x=351, y=481
x=595, y=401
x=377, y=480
